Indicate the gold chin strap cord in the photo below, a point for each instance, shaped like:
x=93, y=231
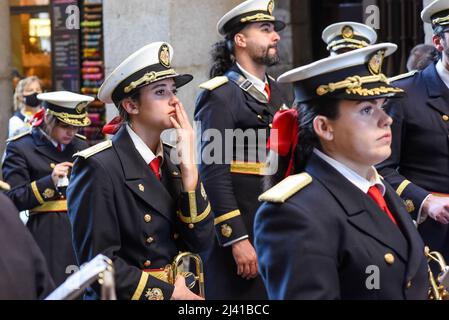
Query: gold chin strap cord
x=148, y=78
x=351, y=83
x=258, y=17
x=442, y=20
x=357, y=43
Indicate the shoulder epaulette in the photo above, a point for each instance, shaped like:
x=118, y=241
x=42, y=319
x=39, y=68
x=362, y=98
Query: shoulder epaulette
x=94, y=149
x=80, y=136
x=4, y=186
x=403, y=76
x=20, y=135
x=214, y=83
x=286, y=188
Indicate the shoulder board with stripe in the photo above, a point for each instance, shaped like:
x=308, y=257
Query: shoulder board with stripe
x=80, y=136
x=286, y=188
x=403, y=76
x=94, y=149
x=214, y=83
x=23, y=134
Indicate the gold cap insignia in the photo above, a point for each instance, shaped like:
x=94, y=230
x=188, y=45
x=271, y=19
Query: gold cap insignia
x=409, y=205
x=226, y=230
x=164, y=56
x=49, y=193
x=376, y=61
x=141, y=187
x=154, y=294
x=270, y=7
x=81, y=107
x=347, y=32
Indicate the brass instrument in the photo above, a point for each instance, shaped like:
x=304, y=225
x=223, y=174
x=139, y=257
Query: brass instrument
x=438, y=286
x=181, y=262
x=177, y=268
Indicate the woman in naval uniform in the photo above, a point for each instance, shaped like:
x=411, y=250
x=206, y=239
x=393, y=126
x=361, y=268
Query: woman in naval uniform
x=36, y=166
x=134, y=198
x=332, y=228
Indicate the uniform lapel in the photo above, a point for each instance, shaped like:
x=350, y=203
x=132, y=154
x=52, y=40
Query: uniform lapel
x=139, y=178
x=363, y=213
x=171, y=175
x=45, y=147
x=277, y=99
x=235, y=75
x=263, y=110
x=72, y=148
x=437, y=91
x=416, y=246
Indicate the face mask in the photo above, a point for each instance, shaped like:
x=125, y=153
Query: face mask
x=32, y=100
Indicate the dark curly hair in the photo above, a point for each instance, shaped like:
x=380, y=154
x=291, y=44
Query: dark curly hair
x=222, y=58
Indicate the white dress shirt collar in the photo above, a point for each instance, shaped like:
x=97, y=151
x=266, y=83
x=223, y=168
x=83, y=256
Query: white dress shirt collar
x=143, y=149
x=443, y=72
x=357, y=180
x=259, y=84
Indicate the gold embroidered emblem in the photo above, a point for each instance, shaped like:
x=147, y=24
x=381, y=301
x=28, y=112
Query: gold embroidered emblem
x=164, y=56
x=347, y=32
x=376, y=61
x=409, y=206
x=154, y=294
x=203, y=192
x=80, y=107
x=141, y=188
x=49, y=193
x=226, y=230
x=270, y=7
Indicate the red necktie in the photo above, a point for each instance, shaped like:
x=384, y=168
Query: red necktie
x=376, y=195
x=59, y=147
x=268, y=91
x=154, y=165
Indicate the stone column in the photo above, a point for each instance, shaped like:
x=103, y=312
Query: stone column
x=5, y=73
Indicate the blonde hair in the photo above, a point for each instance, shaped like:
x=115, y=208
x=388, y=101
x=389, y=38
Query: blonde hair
x=20, y=88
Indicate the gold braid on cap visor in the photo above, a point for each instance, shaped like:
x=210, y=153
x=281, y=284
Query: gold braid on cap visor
x=358, y=43
x=72, y=119
x=353, y=85
x=442, y=20
x=148, y=78
x=258, y=17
